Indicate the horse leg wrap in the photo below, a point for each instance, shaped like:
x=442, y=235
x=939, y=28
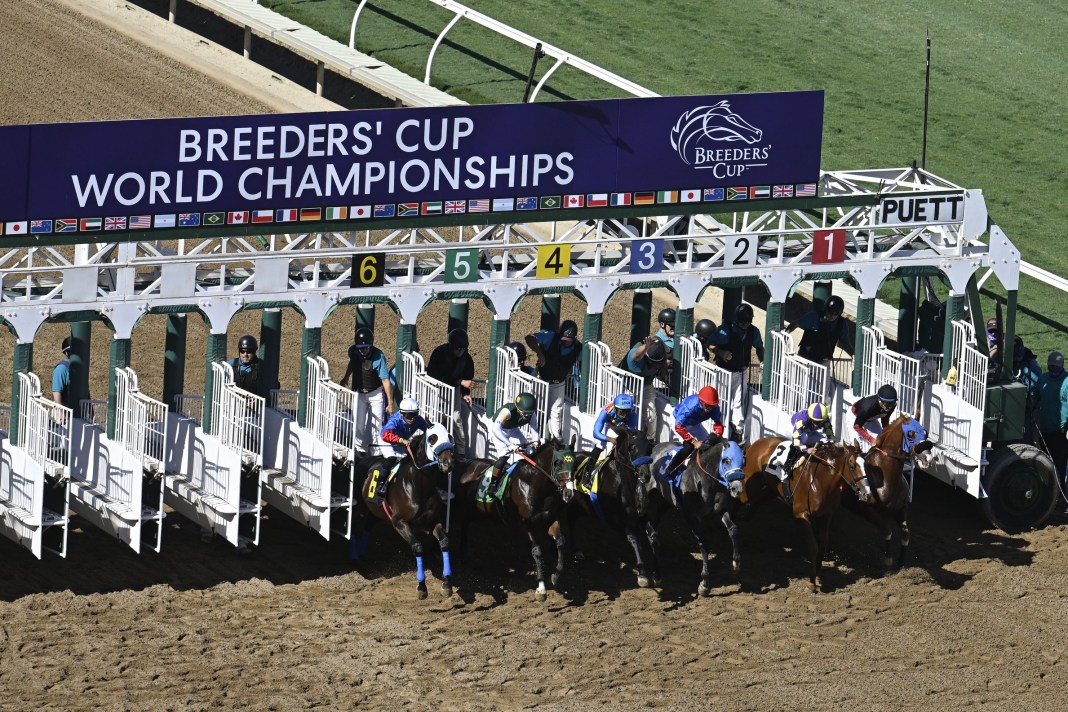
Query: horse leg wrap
x=446, y=565
x=420, y=572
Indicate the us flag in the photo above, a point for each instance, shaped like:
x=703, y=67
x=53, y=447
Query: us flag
x=481, y=205
x=455, y=206
x=805, y=190
x=140, y=222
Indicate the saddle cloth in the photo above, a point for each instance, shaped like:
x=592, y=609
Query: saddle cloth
x=484, y=495
x=778, y=459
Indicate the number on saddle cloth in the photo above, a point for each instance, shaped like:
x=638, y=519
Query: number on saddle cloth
x=778, y=458
x=379, y=479
x=660, y=467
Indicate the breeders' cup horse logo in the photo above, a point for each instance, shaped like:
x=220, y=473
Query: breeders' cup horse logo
x=710, y=123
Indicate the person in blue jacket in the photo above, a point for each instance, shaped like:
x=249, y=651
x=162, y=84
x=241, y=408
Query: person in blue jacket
x=398, y=431
x=689, y=414
x=617, y=415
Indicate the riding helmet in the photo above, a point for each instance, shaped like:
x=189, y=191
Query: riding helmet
x=458, y=339
x=705, y=329
x=888, y=394
x=624, y=401
x=520, y=350
x=818, y=412
x=666, y=316
x=247, y=343
x=568, y=329
x=66, y=345
x=655, y=351
x=835, y=305
x=526, y=403
x=364, y=337
x=409, y=407
x=708, y=396
x=743, y=314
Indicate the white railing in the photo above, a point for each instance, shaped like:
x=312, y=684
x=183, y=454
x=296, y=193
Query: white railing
x=959, y=425
x=236, y=415
x=95, y=412
x=191, y=405
x=607, y=380
x=463, y=12
x=511, y=381
x=436, y=400
x=796, y=383
x=285, y=400
x=331, y=407
x=140, y=421
x=907, y=374
x=698, y=372
x=44, y=427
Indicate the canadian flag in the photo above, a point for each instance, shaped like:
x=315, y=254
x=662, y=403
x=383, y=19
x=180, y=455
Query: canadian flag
x=238, y=217
x=573, y=201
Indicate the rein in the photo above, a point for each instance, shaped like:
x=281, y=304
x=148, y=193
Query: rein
x=538, y=468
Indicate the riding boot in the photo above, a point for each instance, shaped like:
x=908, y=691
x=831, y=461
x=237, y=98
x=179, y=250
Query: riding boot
x=590, y=466
x=678, y=459
x=788, y=469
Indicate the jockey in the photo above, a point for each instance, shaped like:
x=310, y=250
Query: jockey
x=508, y=435
x=811, y=427
x=617, y=415
x=689, y=414
x=873, y=412
x=398, y=431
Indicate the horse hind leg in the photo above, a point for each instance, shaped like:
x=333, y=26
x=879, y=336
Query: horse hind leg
x=644, y=580
x=732, y=532
x=903, y=524
x=409, y=536
x=559, y=535
x=653, y=536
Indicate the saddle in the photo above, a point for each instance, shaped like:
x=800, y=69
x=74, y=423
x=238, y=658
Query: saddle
x=379, y=479
x=660, y=468
x=497, y=496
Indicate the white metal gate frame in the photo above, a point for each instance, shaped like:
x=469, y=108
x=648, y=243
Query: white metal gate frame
x=697, y=372
x=906, y=373
x=511, y=381
x=961, y=428
x=437, y=401
x=608, y=380
x=140, y=422
x=796, y=383
x=236, y=415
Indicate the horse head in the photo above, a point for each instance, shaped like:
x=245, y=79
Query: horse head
x=439, y=447
x=563, y=466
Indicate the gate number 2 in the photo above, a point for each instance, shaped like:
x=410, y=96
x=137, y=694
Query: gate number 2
x=741, y=251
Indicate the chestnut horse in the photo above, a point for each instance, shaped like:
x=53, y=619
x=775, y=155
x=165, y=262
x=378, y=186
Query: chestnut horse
x=535, y=495
x=412, y=503
x=891, y=486
x=815, y=486
x=620, y=499
x=703, y=499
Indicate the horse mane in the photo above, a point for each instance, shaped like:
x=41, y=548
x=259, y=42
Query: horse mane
x=895, y=426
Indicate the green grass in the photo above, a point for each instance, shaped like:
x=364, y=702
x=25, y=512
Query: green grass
x=999, y=84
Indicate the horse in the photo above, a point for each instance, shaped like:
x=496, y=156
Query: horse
x=815, y=490
x=884, y=466
x=702, y=496
x=411, y=504
x=534, y=496
x=618, y=498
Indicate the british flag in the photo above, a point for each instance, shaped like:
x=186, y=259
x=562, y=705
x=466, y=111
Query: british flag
x=782, y=191
x=455, y=206
x=115, y=223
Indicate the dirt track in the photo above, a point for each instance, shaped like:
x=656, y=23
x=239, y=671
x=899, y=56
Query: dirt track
x=978, y=620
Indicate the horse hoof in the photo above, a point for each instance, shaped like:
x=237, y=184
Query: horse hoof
x=703, y=589
x=422, y=593
x=579, y=556
x=657, y=582
x=555, y=580
x=643, y=582
x=736, y=566
x=540, y=596
x=446, y=590
x=813, y=587
x=888, y=564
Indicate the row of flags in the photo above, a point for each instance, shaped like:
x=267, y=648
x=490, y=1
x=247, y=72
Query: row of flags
x=391, y=210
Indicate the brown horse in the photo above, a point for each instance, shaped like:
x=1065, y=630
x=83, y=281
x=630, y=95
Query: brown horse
x=620, y=500
x=890, y=482
x=815, y=486
x=411, y=505
x=535, y=495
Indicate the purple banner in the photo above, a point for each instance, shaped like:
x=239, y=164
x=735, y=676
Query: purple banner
x=398, y=162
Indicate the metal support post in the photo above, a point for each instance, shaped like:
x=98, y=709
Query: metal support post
x=21, y=362
x=865, y=317
x=498, y=337
x=550, y=312
x=270, y=351
x=119, y=358
x=773, y=322
x=640, y=311
x=458, y=309
x=81, y=333
x=215, y=351
x=591, y=331
x=174, y=358
x=311, y=344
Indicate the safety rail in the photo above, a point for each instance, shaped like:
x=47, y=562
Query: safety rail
x=880, y=366
x=606, y=380
x=94, y=412
x=236, y=415
x=140, y=421
x=796, y=383
x=698, y=372
x=331, y=408
x=285, y=400
x=44, y=427
x=511, y=381
x=190, y=405
x=463, y=12
x=956, y=423
x=437, y=401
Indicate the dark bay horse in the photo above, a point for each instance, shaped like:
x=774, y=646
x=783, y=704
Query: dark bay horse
x=618, y=497
x=885, y=467
x=702, y=497
x=535, y=495
x=815, y=486
x=412, y=504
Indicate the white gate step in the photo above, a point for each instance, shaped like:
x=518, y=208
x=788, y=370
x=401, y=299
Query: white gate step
x=23, y=515
x=248, y=506
x=50, y=518
x=188, y=490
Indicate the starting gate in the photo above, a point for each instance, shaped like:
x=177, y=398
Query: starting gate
x=511, y=381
